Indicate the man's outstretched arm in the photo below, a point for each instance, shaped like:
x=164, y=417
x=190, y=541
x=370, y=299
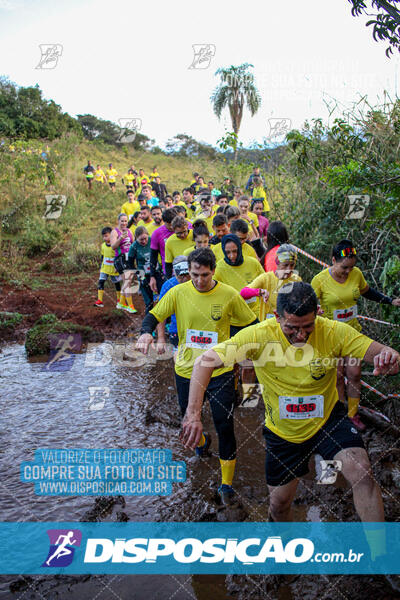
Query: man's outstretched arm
x=192, y=427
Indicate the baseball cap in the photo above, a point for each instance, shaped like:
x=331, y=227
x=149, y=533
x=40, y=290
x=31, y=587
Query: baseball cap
x=182, y=268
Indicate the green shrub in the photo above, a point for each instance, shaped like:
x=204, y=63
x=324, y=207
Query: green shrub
x=9, y=320
x=40, y=236
x=38, y=337
x=83, y=258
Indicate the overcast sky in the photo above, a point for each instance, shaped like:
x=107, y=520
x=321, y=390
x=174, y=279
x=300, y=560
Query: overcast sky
x=125, y=59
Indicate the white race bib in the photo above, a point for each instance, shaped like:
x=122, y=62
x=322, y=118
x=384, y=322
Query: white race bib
x=269, y=315
x=345, y=314
x=203, y=340
x=108, y=261
x=301, y=407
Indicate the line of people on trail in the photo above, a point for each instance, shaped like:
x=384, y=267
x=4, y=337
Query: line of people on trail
x=234, y=297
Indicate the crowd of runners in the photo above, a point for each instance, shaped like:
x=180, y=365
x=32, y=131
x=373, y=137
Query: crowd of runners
x=219, y=283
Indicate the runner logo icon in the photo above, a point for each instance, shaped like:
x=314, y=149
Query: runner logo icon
x=62, y=547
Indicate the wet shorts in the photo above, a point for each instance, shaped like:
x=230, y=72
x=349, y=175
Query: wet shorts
x=286, y=461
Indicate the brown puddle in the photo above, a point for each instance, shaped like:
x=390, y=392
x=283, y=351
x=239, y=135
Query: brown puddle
x=50, y=410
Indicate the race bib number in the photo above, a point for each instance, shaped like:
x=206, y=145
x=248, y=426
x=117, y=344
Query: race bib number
x=250, y=300
x=203, y=340
x=345, y=314
x=108, y=261
x=301, y=407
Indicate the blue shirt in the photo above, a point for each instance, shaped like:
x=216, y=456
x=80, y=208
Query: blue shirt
x=170, y=283
x=153, y=201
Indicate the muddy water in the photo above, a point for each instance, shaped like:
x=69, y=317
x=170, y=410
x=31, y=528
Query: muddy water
x=49, y=409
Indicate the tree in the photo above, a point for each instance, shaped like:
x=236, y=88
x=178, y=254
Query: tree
x=386, y=22
x=185, y=145
x=236, y=90
x=24, y=113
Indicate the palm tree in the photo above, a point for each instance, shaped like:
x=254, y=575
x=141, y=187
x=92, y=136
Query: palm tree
x=236, y=88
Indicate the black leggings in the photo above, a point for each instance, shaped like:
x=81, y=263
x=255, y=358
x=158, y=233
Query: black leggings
x=100, y=285
x=221, y=394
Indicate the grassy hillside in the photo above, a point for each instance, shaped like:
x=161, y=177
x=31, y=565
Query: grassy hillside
x=71, y=243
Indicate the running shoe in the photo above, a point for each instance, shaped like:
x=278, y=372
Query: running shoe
x=131, y=310
x=358, y=424
x=227, y=494
x=99, y=304
x=203, y=450
x=120, y=306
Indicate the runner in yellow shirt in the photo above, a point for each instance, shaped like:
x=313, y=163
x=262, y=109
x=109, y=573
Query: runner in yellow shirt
x=99, y=175
x=295, y=358
x=177, y=199
x=201, y=237
x=177, y=243
x=107, y=269
x=111, y=176
x=237, y=193
x=143, y=179
x=338, y=289
x=259, y=193
x=204, y=309
x=129, y=180
x=241, y=229
x=131, y=205
x=244, y=206
x=237, y=270
x=146, y=220
x=205, y=211
x=267, y=285
x=154, y=174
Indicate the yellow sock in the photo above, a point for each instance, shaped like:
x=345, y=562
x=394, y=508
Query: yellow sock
x=202, y=441
x=100, y=294
x=129, y=301
x=227, y=470
x=352, y=406
x=122, y=300
x=118, y=296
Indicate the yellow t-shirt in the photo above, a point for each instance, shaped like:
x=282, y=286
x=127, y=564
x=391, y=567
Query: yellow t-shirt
x=143, y=179
x=174, y=246
x=111, y=175
x=339, y=300
x=253, y=217
x=108, y=254
x=240, y=277
x=149, y=226
x=129, y=179
x=203, y=320
x=189, y=250
x=298, y=382
x=259, y=192
x=99, y=175
x=129, y=208
x=153, y=175
x=180, y=203
x=247, y=250
x=269, y=281
x=208, y=220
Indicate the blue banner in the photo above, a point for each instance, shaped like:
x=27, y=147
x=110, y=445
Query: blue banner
x=174, y=548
